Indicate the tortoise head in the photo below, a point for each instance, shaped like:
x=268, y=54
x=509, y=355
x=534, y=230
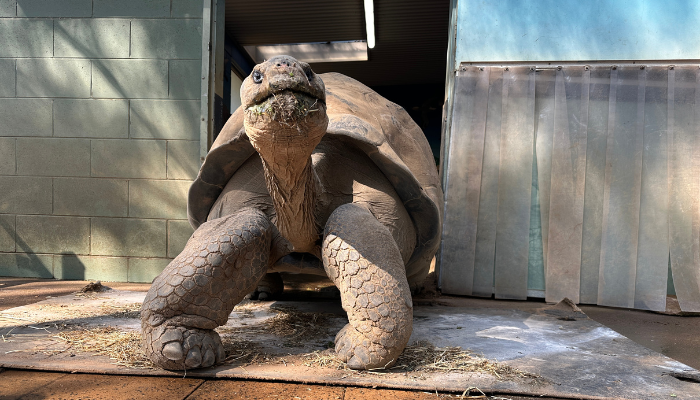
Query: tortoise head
x=285, y=106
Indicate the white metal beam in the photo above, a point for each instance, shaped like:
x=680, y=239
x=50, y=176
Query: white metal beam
x=312, y=52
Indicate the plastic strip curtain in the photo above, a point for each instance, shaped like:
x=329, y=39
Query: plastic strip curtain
x=617, y=152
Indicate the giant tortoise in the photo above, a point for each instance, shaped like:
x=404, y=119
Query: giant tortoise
x=310, y=167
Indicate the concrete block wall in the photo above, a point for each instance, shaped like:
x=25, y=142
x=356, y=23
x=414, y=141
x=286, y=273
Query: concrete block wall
x=99, y=135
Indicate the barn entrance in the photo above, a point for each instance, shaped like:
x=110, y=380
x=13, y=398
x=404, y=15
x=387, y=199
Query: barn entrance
x=406, y=64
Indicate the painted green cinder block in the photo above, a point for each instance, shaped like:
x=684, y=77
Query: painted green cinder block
x=183, y=79
x=144, y=270
x=53, y=156
x=128, y=158
x=8, y=8
x=131, y=8
x=53, y=234
x=25, y=117
x=7, y=156
x=134, y=79
x=49, y=77
x=106, y=269
x=26, y=265
x=128, y=237
x=7, y=233
x=158, y=199
x=22, y=37
x=92, y=38
x=165, y=119
x=53, y=8
x=97, y=197
x=179, y=232
x=25, y=195
x=187, y=9
x=183, y=159
x=7, y=78
x=166, y=38
x=89, y=118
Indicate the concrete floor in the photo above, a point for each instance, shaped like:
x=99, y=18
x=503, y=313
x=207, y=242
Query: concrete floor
x=673, y=336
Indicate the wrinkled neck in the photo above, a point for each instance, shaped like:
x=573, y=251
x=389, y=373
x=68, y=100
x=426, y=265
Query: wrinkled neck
x=285, y=151
x=285, y=146
x=294, y=192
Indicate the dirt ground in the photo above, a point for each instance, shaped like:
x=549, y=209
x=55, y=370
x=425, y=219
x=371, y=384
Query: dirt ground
x=673, y=336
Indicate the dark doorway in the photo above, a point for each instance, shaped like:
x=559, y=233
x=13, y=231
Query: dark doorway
x=407, y=64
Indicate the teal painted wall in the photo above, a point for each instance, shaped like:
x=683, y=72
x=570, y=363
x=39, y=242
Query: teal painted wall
x=565, y=30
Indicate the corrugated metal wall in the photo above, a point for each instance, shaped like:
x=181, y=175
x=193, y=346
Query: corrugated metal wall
x=617, y=155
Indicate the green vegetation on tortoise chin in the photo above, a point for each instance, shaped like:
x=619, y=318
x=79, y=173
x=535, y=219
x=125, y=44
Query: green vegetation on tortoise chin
x=287, y=106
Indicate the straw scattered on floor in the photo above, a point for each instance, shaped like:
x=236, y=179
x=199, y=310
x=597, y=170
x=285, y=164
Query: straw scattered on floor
x=423, y=356
x=132, y=310
x=293, y=324
x=123, y=347
x=295, y=327
x=76, y=311
x=240, y=351
x=247, y=305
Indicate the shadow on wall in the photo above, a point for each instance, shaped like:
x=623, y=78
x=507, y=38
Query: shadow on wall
x=30, y=264
x=116, y=76
x=70, y=268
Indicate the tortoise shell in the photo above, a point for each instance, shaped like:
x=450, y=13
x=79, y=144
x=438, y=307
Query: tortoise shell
x=358, y=115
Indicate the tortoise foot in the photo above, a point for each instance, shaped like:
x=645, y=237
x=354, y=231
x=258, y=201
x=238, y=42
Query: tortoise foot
x=181, y=348
x=366, y=267
x=365, y=351
x=223, y=260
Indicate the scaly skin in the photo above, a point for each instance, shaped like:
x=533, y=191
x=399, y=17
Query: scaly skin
x=365, y=264
x=221, y=263
x=285, y=119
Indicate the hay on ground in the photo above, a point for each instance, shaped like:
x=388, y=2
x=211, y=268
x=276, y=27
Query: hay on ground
x=423, y=356
x=123, y=347
x=75, y=311
x=247, y=305
x=296, y=327
x=240, y=351
x=294, y=324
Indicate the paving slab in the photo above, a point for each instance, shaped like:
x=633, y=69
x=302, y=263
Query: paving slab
x=563, y=353
x=14, y=384
x=252, y=390
x=79, y=386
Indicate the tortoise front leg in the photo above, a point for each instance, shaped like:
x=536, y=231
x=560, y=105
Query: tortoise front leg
x=364, y=262
x=221, y=263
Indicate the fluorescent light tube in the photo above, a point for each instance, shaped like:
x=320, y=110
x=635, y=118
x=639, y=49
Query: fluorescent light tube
x=369, y=20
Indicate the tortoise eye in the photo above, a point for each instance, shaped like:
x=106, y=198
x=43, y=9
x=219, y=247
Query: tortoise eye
x=309, y=73
x=257, y=77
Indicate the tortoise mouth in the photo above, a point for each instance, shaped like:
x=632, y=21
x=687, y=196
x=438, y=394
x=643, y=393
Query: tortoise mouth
x=296, y=92
x=287, y=105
